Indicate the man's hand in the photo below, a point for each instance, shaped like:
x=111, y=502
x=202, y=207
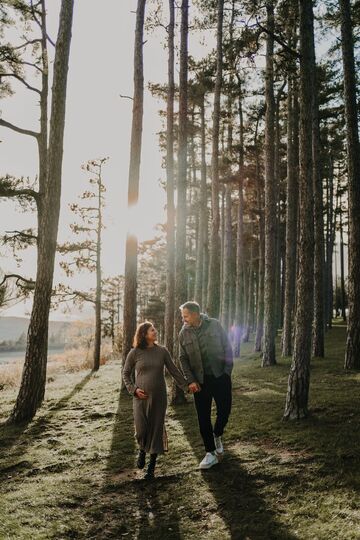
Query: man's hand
x=140, y=394
x=194, y=387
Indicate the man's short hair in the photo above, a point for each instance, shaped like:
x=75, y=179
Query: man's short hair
x=191, y=306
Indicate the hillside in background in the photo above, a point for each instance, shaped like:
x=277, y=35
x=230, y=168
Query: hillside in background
x=14, y=329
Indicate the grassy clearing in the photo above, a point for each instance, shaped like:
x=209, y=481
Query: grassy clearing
x=70, y=473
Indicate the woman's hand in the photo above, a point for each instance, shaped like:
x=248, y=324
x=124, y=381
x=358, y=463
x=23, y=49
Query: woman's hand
x=140, y=394
x=194, y=387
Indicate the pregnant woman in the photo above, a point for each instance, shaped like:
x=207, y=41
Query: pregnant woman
x=143, y=375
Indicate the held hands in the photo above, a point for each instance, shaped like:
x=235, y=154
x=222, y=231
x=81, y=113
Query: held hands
x=140, y=394
x=194, y=387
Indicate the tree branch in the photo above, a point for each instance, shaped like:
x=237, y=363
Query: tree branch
x=18, y=278
x=18, y=129
x=26, y=192
x=31, y=42
x=28, y=86
x=21, y=234
x=278, y=40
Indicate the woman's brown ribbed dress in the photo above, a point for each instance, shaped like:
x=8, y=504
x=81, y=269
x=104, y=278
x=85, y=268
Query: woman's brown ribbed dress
x=144, y=368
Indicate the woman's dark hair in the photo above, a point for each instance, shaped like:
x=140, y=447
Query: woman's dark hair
x=139, y=340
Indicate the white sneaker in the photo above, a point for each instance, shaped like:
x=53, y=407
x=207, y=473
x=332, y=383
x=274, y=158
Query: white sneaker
x=218, y=445
x=209, y=460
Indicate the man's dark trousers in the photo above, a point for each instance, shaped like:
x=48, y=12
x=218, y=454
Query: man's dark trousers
x=219, y=389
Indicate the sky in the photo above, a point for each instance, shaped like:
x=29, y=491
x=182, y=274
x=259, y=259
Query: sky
x=98, y=124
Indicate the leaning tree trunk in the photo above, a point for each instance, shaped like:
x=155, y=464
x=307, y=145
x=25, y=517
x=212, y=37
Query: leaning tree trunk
x=268, y=358
x=299, y=379
x=213, y=298
x=177, y=395
x=32, y=389
x=130, y=286
x=170, y=208
x=352, y=356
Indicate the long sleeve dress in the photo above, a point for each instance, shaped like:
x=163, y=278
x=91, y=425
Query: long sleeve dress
x=144, y=368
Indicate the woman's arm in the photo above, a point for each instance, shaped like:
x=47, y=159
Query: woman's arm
x=128, y=372
x=175, y=372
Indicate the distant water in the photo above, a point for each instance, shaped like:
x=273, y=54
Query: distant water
x=13, y=356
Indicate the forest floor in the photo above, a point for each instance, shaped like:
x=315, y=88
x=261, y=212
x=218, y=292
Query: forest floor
x=70, y=473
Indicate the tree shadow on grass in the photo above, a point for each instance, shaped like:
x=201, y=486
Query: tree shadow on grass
x=239, y=501
x=16, y=438
x=129, y=506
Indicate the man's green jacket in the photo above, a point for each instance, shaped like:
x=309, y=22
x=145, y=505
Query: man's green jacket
x=218, y=349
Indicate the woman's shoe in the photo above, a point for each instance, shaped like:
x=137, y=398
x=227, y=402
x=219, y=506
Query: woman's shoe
x=141, y=459
x=151, y=467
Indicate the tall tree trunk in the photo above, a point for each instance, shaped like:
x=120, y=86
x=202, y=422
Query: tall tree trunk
x=32, y=388
x=170, y=206
x=130, y=286
x=177, y=395
x=199, y=281
x=260, y=302
x=213, y=298
x=319, y=319
x=227, y=259
x=352, y=356
x=250, y=294
x=330, y=226
x=97, y=341
x=299, y=378
x=239, y=261
x=278, y=229
x=291, y=220
x=268, y=358
x=342, y=265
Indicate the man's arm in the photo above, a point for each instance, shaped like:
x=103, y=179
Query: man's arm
x=229, y=361
x=185, y=364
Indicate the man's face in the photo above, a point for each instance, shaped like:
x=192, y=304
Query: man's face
x=190, y=317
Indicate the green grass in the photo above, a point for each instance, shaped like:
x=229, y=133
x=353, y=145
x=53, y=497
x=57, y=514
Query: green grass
x=70, y=473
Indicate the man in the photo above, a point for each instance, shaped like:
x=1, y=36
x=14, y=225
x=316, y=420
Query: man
x=207, y=361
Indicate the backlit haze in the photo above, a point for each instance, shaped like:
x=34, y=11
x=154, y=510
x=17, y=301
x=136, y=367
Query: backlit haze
x=98, y=124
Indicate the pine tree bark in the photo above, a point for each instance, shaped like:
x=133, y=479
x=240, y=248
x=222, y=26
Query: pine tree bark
x=291, y=219
x=319, y=259
x=268, y=358
x=330, y=239
x=32, y=388
x=239, y=261
x=299, y=378
x=170, y=206
x=352, y=355
x=177, y=395
x=213, y=297
x=342, y=265
x=98, y=297
x=130, y=285
x=227, y=259
x=258, y=345
x=203, y=225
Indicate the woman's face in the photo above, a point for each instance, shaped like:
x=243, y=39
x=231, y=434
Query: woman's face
x=151, y=334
